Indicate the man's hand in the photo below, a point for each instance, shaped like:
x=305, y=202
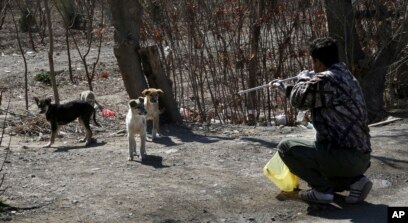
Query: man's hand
x=305, y=75
x=278, y=84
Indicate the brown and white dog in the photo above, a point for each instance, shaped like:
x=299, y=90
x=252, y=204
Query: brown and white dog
x=151, y=103
x=136, y=124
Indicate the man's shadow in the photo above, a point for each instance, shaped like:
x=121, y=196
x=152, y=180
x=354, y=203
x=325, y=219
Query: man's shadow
x=339, y=210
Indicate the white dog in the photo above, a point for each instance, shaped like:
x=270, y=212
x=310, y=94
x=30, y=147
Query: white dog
x=89, y=97
x=136, y=124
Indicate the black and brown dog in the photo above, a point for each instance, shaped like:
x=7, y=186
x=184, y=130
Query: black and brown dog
x=63, y=114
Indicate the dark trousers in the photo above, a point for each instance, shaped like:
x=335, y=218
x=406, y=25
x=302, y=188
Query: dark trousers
x=325, y=168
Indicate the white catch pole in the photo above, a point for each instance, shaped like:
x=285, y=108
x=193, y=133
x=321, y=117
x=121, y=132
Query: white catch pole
x=265, y=85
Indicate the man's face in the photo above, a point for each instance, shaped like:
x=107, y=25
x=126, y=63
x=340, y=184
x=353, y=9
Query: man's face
x=318, y=66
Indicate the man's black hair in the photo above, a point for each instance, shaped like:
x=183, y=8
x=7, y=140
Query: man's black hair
x=325, y=50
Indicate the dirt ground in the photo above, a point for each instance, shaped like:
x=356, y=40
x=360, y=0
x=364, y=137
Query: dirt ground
x=193, y=174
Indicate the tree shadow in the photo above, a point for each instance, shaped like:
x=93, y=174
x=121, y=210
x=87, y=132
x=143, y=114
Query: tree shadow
x=7, y=211
x=390, y=161
x=269, y=144
x=68, y=148
x=338, y=210
x=186, y=135
x=153, y=161
x=163, y=140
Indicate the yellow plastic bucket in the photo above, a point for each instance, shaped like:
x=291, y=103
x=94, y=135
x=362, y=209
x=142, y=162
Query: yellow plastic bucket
x=276, y=171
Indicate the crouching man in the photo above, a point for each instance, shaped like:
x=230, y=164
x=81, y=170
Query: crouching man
x=340, y=155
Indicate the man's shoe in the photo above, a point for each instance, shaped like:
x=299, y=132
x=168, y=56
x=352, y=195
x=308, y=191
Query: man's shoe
x=359, y=190
x=314, y=196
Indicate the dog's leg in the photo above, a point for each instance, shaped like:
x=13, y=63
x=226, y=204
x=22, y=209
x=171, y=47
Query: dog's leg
x=131, y=146
x=54, y=132
x=77, y=130
x=155, y=128
x=88, y=135
x=142, y=146
x=88, y=132
x=83, y=126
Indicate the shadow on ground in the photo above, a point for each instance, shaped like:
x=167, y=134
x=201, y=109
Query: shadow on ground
x=153, y=161
x=81, y=146
x=185, y=135
x=339, y=210
x=6, y=211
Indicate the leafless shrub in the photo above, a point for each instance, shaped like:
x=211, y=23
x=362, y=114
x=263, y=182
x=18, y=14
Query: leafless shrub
x=212, y=49
x=211, y=53
x=30, y=126
x=4, y=160
x=91, y=29
x=4, y=6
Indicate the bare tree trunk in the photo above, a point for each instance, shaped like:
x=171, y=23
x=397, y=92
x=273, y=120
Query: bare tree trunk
x=157, y=79
x=51, y=53
x=252, y=101
x=373, y=80
x=371, y=76
x=127, y=18
x=71, y=76
x=340, y=19
x=72, y=18
x=25, y=62
x=4, y=5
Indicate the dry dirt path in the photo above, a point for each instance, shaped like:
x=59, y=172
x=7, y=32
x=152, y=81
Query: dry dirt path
x=204, y=175
x=198, y=175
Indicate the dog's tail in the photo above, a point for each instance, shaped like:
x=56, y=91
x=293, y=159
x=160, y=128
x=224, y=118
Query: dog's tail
x=94, y=114
x=98, y=106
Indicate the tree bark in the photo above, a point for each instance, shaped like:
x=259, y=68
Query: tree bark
x=127, y=18
x=73, y=19
x=51, y=53
x=157, y=79
x=25, y=63
x=371, y=76
x=340, y=19
x=256, y=11
x=373, y=81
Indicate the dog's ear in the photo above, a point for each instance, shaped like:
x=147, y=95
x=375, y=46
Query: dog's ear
x=146, y=92
x=48, y=101
x=160, y=91
x=141, y=99
x=132, y=103
x=36, y=100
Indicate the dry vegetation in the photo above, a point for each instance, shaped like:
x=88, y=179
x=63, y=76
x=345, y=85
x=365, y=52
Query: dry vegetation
x=209, y=50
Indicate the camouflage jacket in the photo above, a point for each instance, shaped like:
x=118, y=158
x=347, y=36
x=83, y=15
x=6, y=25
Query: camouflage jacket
x=337, y=106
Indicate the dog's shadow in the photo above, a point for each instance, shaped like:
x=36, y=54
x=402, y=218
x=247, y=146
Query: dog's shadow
x=79, y=146
x=163, y=140
x=154, y=161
